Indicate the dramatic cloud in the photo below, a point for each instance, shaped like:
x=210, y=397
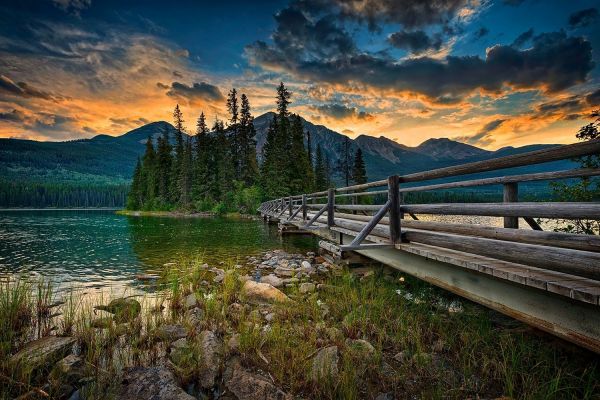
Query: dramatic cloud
x=22, y=89
x=12, y=116
x=417, y=42
x=409, y=13
x=484, y=136
x=72, y=6
x=125, y=122
x=583, y=18
x=523, y=38
x=197, y=92
x=341, y=111
x=593, y=99
x=554, y=63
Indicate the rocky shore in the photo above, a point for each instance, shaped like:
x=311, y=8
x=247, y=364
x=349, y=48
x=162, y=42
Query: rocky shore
x=277, y=326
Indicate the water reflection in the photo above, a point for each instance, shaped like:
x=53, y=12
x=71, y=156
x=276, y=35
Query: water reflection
x=99, y=250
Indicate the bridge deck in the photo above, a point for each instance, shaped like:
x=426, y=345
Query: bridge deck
x=550, y=280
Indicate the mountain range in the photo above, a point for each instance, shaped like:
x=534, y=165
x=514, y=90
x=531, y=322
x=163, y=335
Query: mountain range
x=106, y=159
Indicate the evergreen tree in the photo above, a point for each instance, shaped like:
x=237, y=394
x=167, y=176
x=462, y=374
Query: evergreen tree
x=148, y=175
x=247, y=151
x=301, y=175
x=233, y=130
x=273, y=177
x=200, y=185
x=283, y=100
x=134, y=198
x=321, y=181
x=309, y=148
x=221, y=164
x=344, y=164
x=175, y=192
x=359, y=171
x=185, y=175
x=164, y=161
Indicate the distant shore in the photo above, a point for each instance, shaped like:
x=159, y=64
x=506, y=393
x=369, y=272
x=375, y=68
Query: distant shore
x=62, y=209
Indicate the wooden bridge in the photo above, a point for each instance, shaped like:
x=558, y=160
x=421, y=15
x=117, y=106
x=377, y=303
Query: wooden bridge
x=550, y=280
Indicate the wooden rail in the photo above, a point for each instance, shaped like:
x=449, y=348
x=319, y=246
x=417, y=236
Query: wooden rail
x=541, y=262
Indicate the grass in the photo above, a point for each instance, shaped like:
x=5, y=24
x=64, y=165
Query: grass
x=421, y=349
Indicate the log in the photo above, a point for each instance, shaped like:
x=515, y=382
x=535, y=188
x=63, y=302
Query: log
x=511, y=195
x=542, y=176
x=589, y=210
x=576, y=262
x=517, y=160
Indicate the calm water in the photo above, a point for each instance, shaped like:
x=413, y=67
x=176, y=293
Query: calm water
x=101, y=250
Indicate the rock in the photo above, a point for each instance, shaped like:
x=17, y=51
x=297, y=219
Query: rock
x=306, y=264
x=270, y=317
x=385, y=396
x=272, y=280
x=262, y=293
x=233, y=344
x=248, y=386
x=291, y=281
x=365, y=348
x=179, y=351
x=41, y=354
x=195, y=315
x=191, y=301
x=307, y=287
x=401, y=356
x=325, y=365
x=156, y=383
x=169, y=333
x=67, y=371
x=124, y=309
x=211, y=358
x=284, y=271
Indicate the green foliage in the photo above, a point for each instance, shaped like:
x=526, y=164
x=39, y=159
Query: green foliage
x=585, y=189
x=359, y=171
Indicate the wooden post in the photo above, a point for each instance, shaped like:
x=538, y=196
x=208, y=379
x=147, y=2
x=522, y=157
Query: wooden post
x=290, y=206
x=281, y=205
x=330, y=207
x=353, y=202
x=304, y=207
x=511, y=195
x=394, y=211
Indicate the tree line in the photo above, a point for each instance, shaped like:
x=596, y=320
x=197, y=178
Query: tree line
x=217, y=169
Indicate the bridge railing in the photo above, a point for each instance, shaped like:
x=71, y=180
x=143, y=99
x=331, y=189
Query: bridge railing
x=385, y=224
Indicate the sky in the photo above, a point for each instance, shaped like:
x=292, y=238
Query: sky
x=487, y=73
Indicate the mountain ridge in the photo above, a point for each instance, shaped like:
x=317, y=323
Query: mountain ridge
x=111, y=159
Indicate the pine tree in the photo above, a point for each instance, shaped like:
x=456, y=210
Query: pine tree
x=134, y=198
x=163, y=170
x=247, y=151
x=300, y=171
x=185, y=175
x=283, y=100
x=273, y=177
x=175, y=192
x=221, y=166
x=359, y=171
x=149, y=176
x=344, y=164
x=309, y=147
x=321, y=181
x=233, y=130
x=200, y=185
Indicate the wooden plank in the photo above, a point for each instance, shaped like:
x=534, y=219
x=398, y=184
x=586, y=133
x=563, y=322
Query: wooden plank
x=542, y=176
x=569, y=210
x=510, y=194
x=534, y=225
x=394, y=208
x=575, y=262
x=330, y=207
x=517, y=160
x=362, y=234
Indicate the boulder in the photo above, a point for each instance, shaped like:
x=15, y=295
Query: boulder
x=40, y=354
x=169, y=333
x=307, y=287
x=156, y=383
x=249, y=386
x=195, y=315
x=284, y=271
x=262, y=293
x=325, y=365
x=123, y=309
x=67, y=371
x=233, y=344
x=190, y=301
x=211, y=358
x=272, y=280
x=361, y=346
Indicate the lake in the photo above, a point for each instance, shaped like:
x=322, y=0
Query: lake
x=100, y=250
